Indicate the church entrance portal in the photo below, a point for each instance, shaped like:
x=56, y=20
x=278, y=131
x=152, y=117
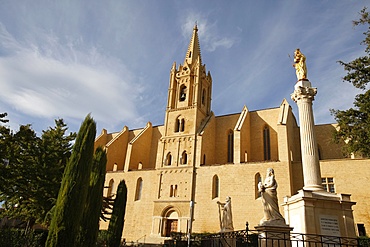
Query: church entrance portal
x=171, y=220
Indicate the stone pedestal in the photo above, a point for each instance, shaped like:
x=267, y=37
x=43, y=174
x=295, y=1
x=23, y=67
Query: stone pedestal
x=271, y=235
x=320, y=212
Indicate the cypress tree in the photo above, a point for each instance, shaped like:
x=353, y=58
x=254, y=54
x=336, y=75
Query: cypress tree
x=116, y=222
x=67, y=214
x=94, y=201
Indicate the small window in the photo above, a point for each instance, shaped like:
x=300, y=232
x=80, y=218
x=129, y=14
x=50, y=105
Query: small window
x=361, y=229
x=180, y=124
x=177, y=125
x=139, y=188
x=215, y=187
x=184, y=158
x=328, y=184
x=168, y=160
x=173, y=190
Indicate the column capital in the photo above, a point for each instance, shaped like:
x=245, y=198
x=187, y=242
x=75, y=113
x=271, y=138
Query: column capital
x=303, y=93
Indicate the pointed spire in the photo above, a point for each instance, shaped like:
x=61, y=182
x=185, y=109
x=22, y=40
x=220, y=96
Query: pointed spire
x=194, y=49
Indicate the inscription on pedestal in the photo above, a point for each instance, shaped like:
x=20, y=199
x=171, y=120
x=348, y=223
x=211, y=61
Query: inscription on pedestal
x=329, y=225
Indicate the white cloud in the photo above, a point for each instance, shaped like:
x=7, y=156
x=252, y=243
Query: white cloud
x=65, y=80
x=211, y=39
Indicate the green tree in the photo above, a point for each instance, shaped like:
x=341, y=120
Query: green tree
x=116, y=222
x=67, y=215
x=2, y=116
x=32, y=169
x=354, y=123
x=94, y=201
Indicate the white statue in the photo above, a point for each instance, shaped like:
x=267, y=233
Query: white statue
x=226, y=222
x=270, y=204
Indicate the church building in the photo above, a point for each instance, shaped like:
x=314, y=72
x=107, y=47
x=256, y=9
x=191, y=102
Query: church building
x=177, y=172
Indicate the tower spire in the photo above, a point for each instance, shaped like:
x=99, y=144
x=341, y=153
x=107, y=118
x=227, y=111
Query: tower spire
x=194, y=49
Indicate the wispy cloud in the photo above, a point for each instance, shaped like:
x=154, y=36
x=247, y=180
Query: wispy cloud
x=212, y=39
x=65, y=80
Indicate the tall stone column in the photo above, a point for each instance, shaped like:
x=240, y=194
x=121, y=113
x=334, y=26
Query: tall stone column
x=304, y=95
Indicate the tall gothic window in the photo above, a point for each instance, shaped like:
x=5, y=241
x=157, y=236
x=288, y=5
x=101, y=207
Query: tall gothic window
x=182, y=93
x=230, y=146
x=215, y=187
x=266, y=144
x=139, y=188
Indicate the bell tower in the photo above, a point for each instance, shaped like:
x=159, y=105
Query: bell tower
x=189, y=92
x=188, y=106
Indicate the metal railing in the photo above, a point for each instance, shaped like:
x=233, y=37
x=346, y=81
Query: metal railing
x=252, y=238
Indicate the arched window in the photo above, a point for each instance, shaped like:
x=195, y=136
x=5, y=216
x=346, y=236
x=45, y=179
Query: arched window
x=184, y=158
x=168, y=160
x=230, y=146
x=177, y=125
x=173, y=190
x=215, y=187
x=110, y=188
x=266, y=144
x=182, y=93
x=139, y=188
x=257, y=180
x=180, y=124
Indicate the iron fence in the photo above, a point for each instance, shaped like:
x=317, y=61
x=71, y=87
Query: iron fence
x=252, y=238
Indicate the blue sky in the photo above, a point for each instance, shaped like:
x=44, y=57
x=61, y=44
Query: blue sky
x=65, y=59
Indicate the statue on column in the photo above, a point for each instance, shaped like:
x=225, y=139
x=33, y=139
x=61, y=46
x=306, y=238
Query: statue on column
x=226, y=221
x=300, y=65
x=270, y=204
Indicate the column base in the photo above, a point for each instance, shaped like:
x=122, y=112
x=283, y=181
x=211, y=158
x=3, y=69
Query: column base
x=320, y=212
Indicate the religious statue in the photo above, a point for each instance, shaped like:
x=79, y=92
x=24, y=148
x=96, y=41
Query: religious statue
x=300, y=65
x=270, y=204
x=226, y=222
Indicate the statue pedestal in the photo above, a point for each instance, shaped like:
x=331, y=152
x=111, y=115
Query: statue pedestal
x=320, y=212
x=274, y=235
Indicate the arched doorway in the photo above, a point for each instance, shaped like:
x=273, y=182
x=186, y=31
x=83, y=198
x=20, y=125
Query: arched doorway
x=171, y=223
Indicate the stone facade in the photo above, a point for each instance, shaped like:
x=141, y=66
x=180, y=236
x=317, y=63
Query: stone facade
x=202, y=158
